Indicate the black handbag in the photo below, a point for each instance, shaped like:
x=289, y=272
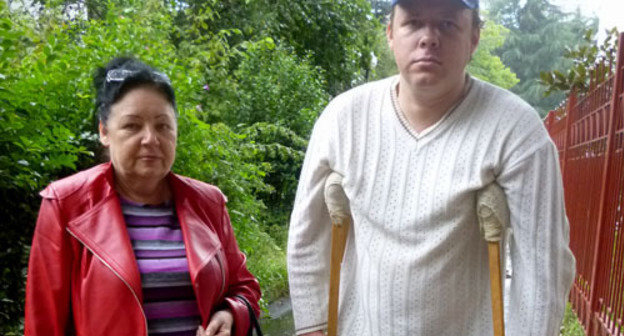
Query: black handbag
x=252, y=318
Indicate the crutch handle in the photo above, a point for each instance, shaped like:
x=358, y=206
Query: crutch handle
x=336, y=199
x=338, y=206
x=493, y=212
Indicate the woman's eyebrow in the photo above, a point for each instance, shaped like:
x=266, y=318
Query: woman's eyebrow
x=162, y=115
x=130, y=116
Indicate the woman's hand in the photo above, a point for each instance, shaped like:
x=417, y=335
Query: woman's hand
x=314, y=333
x=220, y=325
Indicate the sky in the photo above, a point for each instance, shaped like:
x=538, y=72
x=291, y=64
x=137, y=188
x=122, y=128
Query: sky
x=610, y=12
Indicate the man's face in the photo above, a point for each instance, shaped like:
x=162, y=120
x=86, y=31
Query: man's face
x=432, y=42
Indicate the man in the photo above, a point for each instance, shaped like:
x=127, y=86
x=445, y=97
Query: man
x=413, y=150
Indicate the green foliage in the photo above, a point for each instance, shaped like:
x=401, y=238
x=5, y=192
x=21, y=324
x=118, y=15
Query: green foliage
x=590, y=61
x=216, y=154
x=531, y=48
x=571, y=325
x=337, y=36
x=381, y=8
x=278, y=87
x=485, y=64
x=34, y=142
x=385, y=65
x=273, y=98
x=283, y=151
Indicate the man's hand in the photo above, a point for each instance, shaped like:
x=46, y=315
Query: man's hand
x=314, y=333
x=220, y=325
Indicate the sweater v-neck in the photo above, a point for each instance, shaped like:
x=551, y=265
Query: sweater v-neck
x=429, y=132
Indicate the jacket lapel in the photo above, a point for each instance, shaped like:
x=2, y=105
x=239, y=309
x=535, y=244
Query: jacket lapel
x=200, y=241
x=103, y=231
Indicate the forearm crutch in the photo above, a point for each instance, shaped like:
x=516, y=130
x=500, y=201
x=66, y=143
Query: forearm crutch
x=493, y=214
x=338, y=206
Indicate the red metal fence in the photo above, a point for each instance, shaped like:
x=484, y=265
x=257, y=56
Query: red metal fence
x=589, y=133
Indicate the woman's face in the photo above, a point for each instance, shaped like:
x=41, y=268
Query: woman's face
x=141, y=134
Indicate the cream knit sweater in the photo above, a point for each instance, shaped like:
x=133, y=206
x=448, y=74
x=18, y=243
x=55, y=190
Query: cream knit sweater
x=415, y=263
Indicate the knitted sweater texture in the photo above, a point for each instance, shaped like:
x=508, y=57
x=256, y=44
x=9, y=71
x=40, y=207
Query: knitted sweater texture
x=415, y=263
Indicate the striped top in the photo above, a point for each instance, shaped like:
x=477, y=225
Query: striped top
x=168, y=298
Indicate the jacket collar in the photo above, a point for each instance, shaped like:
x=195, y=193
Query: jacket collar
x=102, y=229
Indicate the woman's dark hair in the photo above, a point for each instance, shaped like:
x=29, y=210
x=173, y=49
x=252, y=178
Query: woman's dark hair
x=121, y=75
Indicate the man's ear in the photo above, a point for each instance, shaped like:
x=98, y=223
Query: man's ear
x=103, y=135
x=474, y=39
x=389, y=36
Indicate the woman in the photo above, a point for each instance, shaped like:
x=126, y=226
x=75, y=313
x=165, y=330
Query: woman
x=128, y=247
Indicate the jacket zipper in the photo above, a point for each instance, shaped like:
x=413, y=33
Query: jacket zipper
x=116, y=274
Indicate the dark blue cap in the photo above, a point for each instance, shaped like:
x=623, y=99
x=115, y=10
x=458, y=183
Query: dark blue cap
x=470, y=4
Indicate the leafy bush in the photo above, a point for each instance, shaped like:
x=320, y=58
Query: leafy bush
x=340, y=33
x=277, y=87
x=337, y=36
x=47, y=126
x=590, y=62
x=487, y=66
x=282, y=150
x=35, y=140
x=275, y=101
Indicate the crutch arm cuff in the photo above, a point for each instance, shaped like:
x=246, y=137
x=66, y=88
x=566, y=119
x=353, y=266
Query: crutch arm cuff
x=493, y=212
x=336, y=199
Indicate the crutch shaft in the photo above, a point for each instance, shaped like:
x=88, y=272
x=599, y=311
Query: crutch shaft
x=493, y=214
x=497, y=289
x=340, y=232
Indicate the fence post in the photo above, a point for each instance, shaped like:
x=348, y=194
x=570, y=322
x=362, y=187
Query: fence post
x=568, y=124
x=615, y=102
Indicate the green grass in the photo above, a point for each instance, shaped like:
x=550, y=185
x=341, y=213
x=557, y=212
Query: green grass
x=571, y=325
x=283, y=326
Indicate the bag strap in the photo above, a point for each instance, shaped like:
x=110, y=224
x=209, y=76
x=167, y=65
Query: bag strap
x=252, y=318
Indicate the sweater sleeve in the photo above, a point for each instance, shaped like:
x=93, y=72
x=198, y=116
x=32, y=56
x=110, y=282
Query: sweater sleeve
x=310, y=231
x=542, y=262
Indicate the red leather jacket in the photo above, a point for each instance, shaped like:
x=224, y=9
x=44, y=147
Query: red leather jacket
x=82, y=274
